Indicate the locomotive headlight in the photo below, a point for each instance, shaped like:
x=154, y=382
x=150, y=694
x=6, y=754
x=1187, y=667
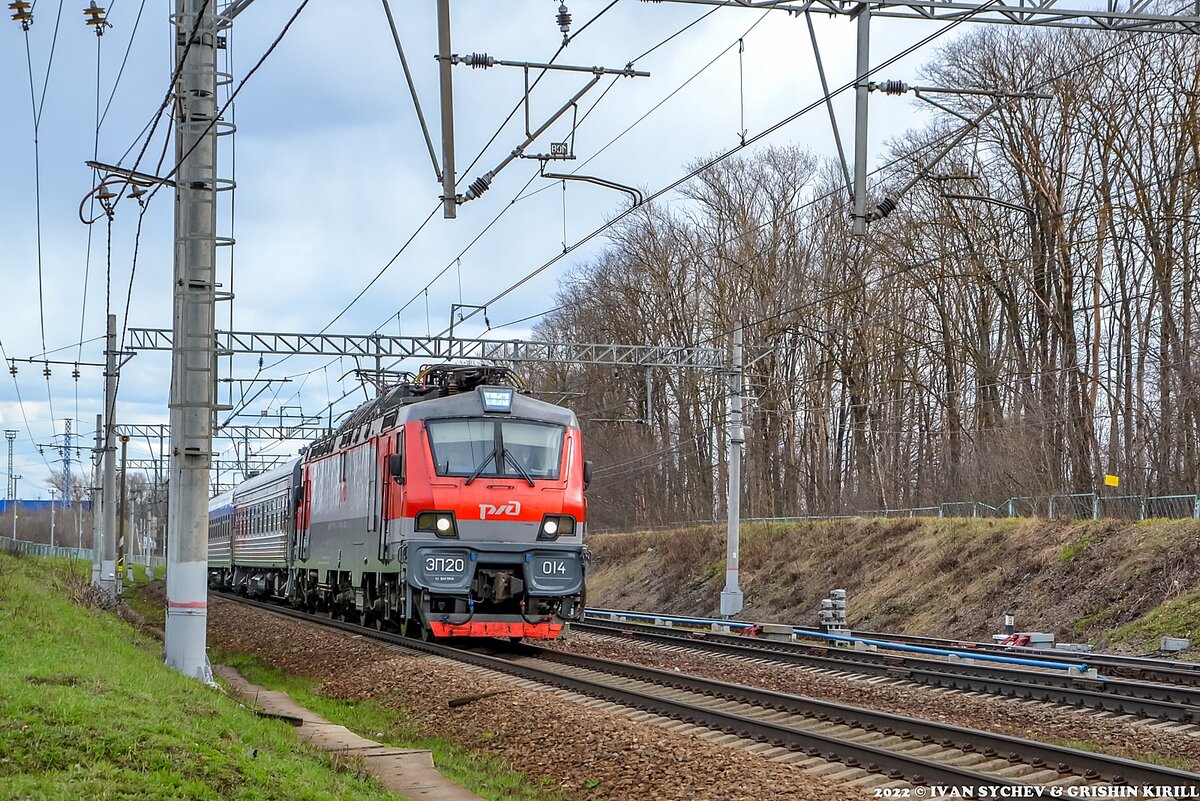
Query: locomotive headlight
x=555, y=526
x=440, y=523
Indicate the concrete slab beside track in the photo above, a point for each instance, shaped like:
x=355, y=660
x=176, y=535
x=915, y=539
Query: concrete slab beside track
x=409, y=772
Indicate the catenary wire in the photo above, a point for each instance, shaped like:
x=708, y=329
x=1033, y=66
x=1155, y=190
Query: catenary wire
x=696, y=171
x=36, y=108
x=124, y=61
x=145, y=202
x=504, y=210
x=1102, y=57
x=21, y=406
x=732, y=151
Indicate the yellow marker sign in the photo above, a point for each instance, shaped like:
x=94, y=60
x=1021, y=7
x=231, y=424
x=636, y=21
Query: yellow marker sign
x=1111, y=481
x=120, y=565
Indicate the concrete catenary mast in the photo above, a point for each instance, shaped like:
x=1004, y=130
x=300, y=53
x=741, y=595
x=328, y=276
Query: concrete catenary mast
x=731, y=596
x=193, y=362
x=97, y=501
x=106, y=580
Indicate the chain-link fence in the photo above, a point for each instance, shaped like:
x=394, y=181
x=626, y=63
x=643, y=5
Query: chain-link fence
x=42, y=549
x=1067, y=506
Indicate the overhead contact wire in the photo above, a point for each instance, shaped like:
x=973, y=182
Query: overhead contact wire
x=433, y=211
x=36, y=108
x=732, y=151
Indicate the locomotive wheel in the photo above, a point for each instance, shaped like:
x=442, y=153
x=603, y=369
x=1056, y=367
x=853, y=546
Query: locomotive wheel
x=424, y=633
x=373, y=615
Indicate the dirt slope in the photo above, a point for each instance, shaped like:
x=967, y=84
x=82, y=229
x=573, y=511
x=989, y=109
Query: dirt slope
x=1120, y=583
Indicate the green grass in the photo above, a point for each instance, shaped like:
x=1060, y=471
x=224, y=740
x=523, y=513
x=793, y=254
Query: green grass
x=153, y=612
x=87, y=710
x=1077, y=547
x=480, y=773
x=1137, y=756
x=1179, y=617
x=1090, y=619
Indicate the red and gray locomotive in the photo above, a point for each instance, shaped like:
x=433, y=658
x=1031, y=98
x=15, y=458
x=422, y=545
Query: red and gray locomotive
x=451, y=505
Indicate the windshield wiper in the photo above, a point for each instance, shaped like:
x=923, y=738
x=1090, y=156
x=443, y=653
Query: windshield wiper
x=508, y=456
x=483, y=464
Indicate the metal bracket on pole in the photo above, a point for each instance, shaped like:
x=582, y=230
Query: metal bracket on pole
x=837, y=136
x=636, y=194
x=445, y=82
x=861, y=68
x=412, y=90
x=888, y=204
x=456, y=315
x=558, y=150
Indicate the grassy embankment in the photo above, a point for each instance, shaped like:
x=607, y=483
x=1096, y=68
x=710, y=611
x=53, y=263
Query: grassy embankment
x=87, y=710
x=1110, y=582
x=482, y=774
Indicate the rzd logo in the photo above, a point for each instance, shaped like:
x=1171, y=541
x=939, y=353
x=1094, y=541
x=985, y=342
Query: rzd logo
x=512, y=509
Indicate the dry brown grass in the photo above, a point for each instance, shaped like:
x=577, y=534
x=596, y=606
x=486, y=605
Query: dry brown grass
x=935, y=576
x=80, y=590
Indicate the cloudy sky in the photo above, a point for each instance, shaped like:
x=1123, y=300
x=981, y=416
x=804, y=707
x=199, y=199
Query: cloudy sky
x=333, y=176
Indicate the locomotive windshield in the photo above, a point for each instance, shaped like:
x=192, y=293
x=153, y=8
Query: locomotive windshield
x=475, y=447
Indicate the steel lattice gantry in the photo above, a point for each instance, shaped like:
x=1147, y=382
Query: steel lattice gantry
x=439, y=349
x=259, y=463
x=238, y=432
x=1109, y=15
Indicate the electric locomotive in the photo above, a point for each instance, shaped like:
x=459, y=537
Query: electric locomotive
x=452, y=505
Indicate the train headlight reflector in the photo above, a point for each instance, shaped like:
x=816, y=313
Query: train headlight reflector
x=555, y=526
x=440, y=523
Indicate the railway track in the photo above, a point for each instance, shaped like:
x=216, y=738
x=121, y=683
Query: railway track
x=1121, y=696
x=870, y=749
x=1137, y=668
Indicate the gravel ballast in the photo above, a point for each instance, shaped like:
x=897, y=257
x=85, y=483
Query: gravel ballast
x=585, y=752
x=1030, y=720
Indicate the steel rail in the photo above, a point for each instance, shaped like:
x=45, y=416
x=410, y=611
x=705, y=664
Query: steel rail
x=1138, y=668
x=1086, y=764
x=1130, y=667
x=1014, y=683
x=897, y=765
x=916, y=770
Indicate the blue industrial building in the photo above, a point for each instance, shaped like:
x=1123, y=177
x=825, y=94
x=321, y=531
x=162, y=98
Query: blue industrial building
x=31, y=507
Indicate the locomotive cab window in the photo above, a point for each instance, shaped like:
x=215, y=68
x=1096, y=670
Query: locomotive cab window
x=461, y=446
x=537, y=448
x=492, y=448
